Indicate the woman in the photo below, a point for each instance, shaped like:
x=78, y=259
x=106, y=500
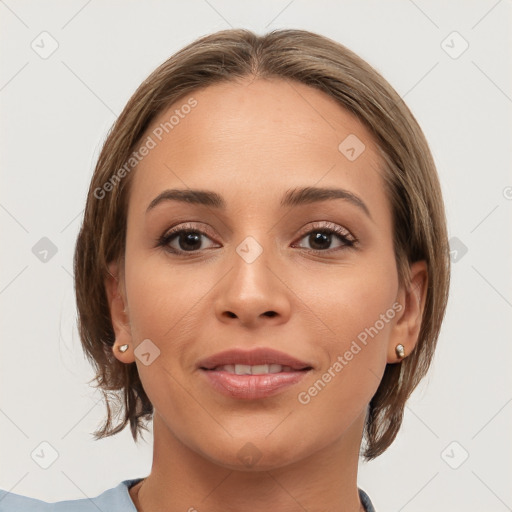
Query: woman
x=262, y=270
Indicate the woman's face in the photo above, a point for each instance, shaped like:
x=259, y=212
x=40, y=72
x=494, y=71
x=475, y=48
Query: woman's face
x=265, y=269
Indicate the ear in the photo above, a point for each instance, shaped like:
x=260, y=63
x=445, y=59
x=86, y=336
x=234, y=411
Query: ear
x=410, y=305
x=116, y=296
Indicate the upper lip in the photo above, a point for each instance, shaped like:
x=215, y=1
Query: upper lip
x=255, y=356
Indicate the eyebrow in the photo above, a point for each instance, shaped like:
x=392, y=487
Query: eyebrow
x=292, y=198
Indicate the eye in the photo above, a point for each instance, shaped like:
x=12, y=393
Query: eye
x=184, y=239
x=323, y=236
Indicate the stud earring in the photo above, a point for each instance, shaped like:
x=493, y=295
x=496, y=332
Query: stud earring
x=400, y=351
x=123, y=348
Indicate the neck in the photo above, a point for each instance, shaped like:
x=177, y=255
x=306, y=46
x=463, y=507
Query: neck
x=183, y=480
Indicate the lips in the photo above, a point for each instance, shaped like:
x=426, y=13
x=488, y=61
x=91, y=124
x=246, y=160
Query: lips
x=256, y=369
x=258, y=357
x=253, y=374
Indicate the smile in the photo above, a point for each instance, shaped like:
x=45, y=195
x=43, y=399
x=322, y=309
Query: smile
x=257, y=369
x=252, y=374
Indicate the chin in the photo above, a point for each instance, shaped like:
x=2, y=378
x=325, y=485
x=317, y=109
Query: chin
x=252, y=454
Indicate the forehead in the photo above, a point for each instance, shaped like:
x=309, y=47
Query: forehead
x=256, y=138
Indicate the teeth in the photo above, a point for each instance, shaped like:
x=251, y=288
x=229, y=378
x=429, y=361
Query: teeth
x=274, y=368
x=257, y=369
x=242, y=369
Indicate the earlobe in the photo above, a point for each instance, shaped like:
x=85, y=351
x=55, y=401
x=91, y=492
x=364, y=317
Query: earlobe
x=406, y=330
x=123, y=345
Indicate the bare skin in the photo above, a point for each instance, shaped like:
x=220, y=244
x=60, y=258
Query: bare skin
x=251, y=142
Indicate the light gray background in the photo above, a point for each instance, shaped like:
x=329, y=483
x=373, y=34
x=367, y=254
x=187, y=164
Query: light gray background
x=55, y=113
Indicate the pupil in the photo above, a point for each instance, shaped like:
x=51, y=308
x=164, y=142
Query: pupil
x=319, y=238
x=190, y=239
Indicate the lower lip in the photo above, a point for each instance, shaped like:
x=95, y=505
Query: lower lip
x=251, y=387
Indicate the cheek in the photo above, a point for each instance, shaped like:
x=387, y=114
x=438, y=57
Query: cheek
x=360, y=319
x=349, y=300
x=163, y=299
x=355, y=311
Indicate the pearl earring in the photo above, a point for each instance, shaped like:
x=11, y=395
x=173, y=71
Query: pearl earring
x=400, y=351
x=123, y=348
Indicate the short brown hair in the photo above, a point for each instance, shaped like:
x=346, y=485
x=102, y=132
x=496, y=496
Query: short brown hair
x=409, y=173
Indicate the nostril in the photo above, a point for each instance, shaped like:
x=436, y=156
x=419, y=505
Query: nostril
x=270, y=313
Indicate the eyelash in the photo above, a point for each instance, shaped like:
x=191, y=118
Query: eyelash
x=348, y=240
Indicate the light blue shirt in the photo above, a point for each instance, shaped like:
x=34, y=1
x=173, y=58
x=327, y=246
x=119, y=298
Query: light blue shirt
x=116, y=499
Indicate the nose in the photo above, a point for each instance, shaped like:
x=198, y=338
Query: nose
x=253, y=293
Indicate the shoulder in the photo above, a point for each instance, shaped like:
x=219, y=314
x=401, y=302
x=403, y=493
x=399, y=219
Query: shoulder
x=116, y=499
